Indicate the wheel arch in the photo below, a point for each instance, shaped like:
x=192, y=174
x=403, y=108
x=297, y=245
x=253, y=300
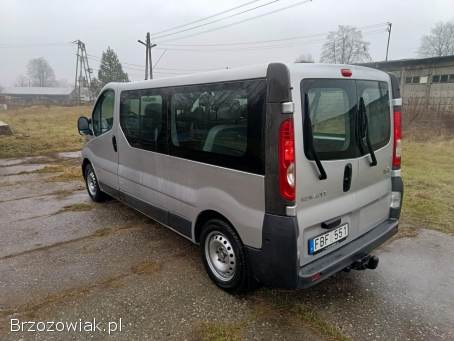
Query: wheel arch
x=85, y=162
x=206, y=215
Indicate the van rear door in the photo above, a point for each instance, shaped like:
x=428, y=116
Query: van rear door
x=374, y=181
x=327, y=206
x=347, y=126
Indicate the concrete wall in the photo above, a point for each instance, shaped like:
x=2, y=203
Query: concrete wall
x=425, y=104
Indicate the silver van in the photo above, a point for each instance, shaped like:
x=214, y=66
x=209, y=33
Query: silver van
x=284, y=174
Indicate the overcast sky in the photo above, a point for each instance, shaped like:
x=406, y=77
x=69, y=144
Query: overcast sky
x=45, y=28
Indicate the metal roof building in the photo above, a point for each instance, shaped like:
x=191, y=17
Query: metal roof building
x=37, y=95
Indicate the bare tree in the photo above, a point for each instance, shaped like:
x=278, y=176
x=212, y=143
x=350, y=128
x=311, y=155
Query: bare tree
x=22, y=81
x=440, y=41
x=305, y=58
x=40, y=72
x=345, y=46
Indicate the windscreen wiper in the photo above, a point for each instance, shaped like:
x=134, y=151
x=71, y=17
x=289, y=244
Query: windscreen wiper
x=309, y=138
x=364, y=131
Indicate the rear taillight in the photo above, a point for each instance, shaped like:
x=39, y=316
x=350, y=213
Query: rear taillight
x=287, y=160
x=397, y=139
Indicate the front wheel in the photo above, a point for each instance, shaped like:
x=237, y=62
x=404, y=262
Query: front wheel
x=224, y=257
x=91, y=182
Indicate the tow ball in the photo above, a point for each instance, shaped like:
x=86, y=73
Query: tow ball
x=367, y=262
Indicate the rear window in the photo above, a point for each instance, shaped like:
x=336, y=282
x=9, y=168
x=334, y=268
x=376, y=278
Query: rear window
x=333, y=108
x=376, y=100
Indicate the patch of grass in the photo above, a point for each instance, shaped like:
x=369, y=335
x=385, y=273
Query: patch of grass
x=280, y=308
x=218, y=331
x=67, y=172
x=318, y=324
x=79, y=207
x=39, y=130
x=427, y=170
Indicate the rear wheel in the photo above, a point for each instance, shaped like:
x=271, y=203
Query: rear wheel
x=224, y=257
x=91, y=182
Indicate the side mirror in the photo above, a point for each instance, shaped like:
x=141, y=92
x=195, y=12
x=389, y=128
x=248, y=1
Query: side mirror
x=83, y=125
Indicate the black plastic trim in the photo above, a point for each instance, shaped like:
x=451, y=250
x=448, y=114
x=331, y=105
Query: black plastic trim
x=179, y=224
x=276, y=263
x=395, y=86
x=278, y=92
x=397, y=185
x=343, y=257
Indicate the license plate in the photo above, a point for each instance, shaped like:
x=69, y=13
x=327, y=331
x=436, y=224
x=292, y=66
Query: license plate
x=324, y=240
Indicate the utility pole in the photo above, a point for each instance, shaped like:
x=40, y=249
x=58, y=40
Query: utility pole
x=83, y=71
x=148, y=46
x=390, y=25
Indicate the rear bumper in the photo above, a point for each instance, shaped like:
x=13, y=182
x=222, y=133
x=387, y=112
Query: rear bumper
x=345, y=256
x=276, y=264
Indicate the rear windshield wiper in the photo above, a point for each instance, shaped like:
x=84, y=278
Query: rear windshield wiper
x=309, y=138
x=364, y=131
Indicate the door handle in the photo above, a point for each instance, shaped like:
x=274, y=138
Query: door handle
x=331, y=224
x=114, y=143
x=347, y=181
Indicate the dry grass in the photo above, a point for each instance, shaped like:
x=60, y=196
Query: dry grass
x=68, y=171
x=78, y=207
x=428, y=173
x=217, y=331
x=39, y=130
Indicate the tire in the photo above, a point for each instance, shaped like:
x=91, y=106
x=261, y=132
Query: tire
x=224, y=257
x=92, y=185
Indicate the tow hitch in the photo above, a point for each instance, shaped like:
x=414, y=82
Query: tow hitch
x=367, y=262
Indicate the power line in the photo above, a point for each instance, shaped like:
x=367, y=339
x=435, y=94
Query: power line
x=299, y=3
x=201, y=44
x=311, y=40
x=217, y=20
x=203, y=19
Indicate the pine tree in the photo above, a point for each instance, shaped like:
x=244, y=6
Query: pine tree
x=110, y=69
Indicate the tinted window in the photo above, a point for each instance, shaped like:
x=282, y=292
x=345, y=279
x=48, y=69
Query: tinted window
x=444, y=79
x=102, y=118
x=142, y=119
x=220, y=123
x=332, y=105
x=333, y=111
x=451, y=78
x=376, y=100
x=416, y=79
x=435, y=79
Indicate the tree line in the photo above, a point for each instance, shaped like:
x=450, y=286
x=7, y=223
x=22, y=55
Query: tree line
x=343, y=46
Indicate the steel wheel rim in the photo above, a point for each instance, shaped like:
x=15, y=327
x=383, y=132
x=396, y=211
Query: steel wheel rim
x=220, y=256
x=91, y=182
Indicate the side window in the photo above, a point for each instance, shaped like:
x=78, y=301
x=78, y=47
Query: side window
x=102, y=118
x=143, y=119
x=220, y=123
x=376, y=100
x=332, y=105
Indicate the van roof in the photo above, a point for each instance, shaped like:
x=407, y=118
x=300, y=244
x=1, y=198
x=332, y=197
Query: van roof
x=298, y=70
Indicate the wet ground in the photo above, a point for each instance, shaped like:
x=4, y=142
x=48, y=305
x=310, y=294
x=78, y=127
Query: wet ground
x=64, y=258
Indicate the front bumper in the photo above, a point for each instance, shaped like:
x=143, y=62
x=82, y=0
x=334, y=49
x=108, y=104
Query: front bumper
x=276, y=263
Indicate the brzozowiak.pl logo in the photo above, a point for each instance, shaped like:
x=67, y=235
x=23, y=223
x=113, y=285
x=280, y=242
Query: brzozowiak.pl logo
x=80, y=326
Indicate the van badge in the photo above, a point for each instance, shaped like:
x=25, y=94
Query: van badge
x=313, y=196
x=386, y=170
